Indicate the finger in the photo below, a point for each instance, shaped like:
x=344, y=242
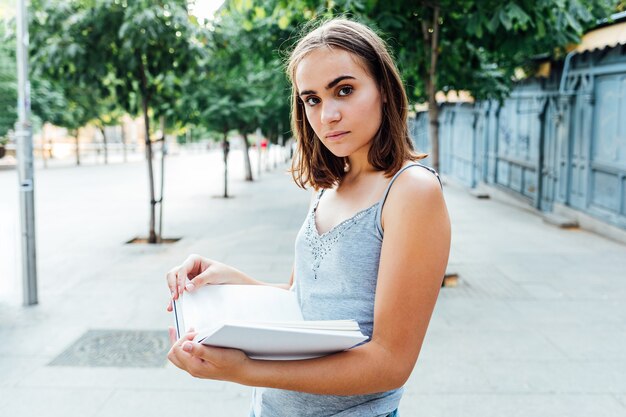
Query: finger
x=172, y=333
x=205, y=277
x=189, y=266
x=191, y=348
x=181, y=280
x=179, y=284
x=189, y=336
x=185, y=338
x=194, y=366
x=171, y=283
x=209, y=354
x=173, y=356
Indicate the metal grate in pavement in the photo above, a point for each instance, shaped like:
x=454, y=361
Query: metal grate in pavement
x=117, y=348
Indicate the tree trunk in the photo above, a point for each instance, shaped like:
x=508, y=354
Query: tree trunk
x=246, y=157
x=163, y=152
x=124, y=143
x=225, y=149
x=145, y=98
x=432, y=41
x=433, y=116
x=43, y=146
x=258, y=152
x=104, y=143
x=76, y=132
x=152, y=238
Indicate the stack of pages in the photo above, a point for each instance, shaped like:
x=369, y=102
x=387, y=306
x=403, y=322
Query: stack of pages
x=264, y=322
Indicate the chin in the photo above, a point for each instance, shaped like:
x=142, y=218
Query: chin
x=340, y=151
x=343, y=150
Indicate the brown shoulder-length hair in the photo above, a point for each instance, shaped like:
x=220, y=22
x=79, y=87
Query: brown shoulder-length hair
x=314, y=165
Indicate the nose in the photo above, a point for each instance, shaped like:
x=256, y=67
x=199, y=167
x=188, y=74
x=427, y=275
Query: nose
x=330, y=113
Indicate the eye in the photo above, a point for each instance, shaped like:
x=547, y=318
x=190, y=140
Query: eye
x=346, y=90
x=311, y=100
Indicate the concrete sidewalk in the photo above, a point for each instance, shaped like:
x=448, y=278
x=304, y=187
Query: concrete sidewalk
x=536, y=327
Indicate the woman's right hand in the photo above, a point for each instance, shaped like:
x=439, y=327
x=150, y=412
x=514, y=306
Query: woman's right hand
x=197, y=271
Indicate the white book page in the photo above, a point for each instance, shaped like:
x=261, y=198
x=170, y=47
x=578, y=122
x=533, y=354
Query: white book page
x=340, y=325
x=273, y=343
x=210, y=306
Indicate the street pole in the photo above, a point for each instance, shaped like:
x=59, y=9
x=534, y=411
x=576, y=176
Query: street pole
x=24, y=139
x=258, y=151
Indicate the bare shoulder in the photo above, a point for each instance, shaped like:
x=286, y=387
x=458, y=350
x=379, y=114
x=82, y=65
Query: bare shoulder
x=417, y=179
x=415, y=186
x=415, y=194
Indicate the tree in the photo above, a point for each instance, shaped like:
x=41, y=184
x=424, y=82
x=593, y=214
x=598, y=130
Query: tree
x=109, y=114
x=251, y=40
x=477, y=45
x=233, y=87
x=474, y=45
x=128, y=53
x=8, y=81
x=156, y=43
x=62, y=91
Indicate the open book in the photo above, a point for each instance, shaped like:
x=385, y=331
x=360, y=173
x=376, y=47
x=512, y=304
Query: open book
x=265, y=322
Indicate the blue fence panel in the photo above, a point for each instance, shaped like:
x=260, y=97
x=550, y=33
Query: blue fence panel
x=608, y=149
x=548, y=159
x=545, y=144
x=420, y=134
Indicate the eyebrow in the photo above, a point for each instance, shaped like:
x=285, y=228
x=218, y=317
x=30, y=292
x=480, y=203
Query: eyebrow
x=330, y=84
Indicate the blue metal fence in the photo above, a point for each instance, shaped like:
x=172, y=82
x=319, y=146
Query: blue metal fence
x=547, y=142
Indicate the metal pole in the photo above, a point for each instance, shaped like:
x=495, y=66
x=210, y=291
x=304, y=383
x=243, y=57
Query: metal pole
x=24, y=139
x=258, y=151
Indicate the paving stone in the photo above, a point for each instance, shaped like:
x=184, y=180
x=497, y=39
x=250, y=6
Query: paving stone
x=176, y=402
x=53, y=402
x=518, y=405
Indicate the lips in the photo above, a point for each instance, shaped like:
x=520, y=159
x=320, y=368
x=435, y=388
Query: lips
x=336, y=135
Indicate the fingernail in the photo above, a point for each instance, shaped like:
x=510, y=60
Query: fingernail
x=190, y=286
x=187, y=347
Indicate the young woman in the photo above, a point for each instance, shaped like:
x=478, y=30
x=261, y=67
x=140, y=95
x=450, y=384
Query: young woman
x=374, y=245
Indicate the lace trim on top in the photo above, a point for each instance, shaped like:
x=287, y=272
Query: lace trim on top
x=322, y=244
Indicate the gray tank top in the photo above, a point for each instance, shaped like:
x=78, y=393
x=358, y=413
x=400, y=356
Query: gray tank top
x=335, y=278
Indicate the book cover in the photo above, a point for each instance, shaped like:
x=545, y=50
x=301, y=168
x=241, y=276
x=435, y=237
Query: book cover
x=265, y=322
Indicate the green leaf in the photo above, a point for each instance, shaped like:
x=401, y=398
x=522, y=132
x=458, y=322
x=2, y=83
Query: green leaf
x=494, y=22
x=516, y=13
x=505, y=19
x=259, y=13
x=573, y=22
x=541, y=29
x=283, y=22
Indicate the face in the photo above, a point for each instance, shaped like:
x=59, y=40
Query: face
x=342, y=100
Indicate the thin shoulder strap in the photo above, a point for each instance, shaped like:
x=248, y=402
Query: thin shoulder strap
x=317, y=199
x=379, y=210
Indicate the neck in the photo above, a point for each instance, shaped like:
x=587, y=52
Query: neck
x=359, y=164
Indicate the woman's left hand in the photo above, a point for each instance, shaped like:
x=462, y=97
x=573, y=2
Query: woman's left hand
x=208, y=362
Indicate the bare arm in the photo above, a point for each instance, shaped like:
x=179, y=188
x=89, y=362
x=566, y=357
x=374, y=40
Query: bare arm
x=284, y=286
x=413, y=260
x=197, y=271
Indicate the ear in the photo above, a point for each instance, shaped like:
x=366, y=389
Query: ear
x=383, y=94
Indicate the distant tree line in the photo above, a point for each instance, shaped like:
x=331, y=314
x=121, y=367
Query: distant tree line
x=93, y=61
